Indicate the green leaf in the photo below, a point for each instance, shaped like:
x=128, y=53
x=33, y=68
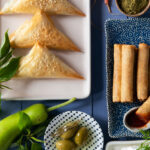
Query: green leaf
x=36, y=146
x=6, y=58
x=24, y=121
x=0, y=102
x=4, y=87
x=26, y=147
x=21, y=147
x=5, y=46
x=20, y=139
x=39, y=131
x=146, y=134
x=146, y=144
x=9, y=70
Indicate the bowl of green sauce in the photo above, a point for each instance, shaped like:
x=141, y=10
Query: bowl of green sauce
x=133, y=8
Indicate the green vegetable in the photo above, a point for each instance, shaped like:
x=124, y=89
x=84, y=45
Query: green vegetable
x=10, y=127
x=37, y=113
x=133, y=7
x=9, y=130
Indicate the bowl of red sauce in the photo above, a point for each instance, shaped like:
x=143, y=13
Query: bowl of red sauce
x=133, y=122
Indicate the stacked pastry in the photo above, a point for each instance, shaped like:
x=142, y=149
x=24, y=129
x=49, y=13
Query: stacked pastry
x=130, y=75
x=41, y=34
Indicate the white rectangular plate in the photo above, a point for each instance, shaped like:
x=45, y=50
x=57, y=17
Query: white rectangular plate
x=75, y=27
x=123, y=145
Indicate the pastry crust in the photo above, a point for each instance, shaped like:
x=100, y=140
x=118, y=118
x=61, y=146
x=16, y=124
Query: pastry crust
x=41, y=28
x=42, y=63
x=53, y=7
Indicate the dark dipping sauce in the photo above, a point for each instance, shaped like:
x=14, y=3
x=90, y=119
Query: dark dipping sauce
x=134, y=121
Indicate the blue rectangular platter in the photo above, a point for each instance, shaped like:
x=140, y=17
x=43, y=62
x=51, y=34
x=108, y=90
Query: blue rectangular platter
x=130, y=31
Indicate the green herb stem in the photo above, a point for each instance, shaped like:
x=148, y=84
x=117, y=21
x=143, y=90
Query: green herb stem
x=37, y=140
x=61, y=105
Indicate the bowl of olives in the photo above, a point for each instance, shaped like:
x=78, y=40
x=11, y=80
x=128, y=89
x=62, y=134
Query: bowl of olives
x=71, y=135
x=73, y=130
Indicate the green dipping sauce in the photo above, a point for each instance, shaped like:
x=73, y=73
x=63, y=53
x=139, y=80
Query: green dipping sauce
x=133, y=7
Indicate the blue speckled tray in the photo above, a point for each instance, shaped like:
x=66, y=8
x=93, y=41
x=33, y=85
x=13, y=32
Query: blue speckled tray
x=131, y=31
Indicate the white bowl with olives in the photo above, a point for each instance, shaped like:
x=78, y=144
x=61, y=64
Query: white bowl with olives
x=73, y=130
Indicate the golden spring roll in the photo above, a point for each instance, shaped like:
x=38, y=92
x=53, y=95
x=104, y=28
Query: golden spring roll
x=117, y=73
x=149, y=78
x=142, y=71
x=127, y=75
x=144, y=111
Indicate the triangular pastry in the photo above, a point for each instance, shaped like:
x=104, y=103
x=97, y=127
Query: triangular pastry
x=53, y=7
x=42, y=63
x=41, y=28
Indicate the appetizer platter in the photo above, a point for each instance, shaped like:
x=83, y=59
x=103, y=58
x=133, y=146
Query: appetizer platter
x=127, y=72
x=54, y=45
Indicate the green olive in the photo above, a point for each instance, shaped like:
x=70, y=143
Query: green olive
x=81, y=136
x=69, y=134
x=65, y=145
x=67, y=131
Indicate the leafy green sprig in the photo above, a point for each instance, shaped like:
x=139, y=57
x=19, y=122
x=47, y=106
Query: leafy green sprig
x=29, y=139
x=8, y=64
x=146, y=144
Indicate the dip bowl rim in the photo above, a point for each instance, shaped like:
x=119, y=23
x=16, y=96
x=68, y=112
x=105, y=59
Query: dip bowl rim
x=132, y=129
x=135, y=15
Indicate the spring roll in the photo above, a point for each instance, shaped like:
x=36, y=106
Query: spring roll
x=127, y=75
x=117, y=73
x=144, y=111
x=149, y=78
x=142, y=71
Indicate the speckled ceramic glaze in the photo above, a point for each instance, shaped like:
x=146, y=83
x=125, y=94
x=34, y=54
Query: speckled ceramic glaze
x=131, y=31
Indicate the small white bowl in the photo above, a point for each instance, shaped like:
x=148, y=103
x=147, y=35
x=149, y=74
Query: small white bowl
x=95, y=139
x=132, y=129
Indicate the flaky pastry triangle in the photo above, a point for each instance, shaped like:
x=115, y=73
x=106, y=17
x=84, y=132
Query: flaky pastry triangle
x=53, y=7
x=42, y=63
x=41, y=28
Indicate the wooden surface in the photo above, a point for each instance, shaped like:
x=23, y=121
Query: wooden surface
x=95, y=104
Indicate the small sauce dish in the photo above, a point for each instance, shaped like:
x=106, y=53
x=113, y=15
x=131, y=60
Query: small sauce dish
x=133, y=123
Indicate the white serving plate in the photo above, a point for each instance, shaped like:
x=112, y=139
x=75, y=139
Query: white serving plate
x=123, y=145
x=78, y=29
